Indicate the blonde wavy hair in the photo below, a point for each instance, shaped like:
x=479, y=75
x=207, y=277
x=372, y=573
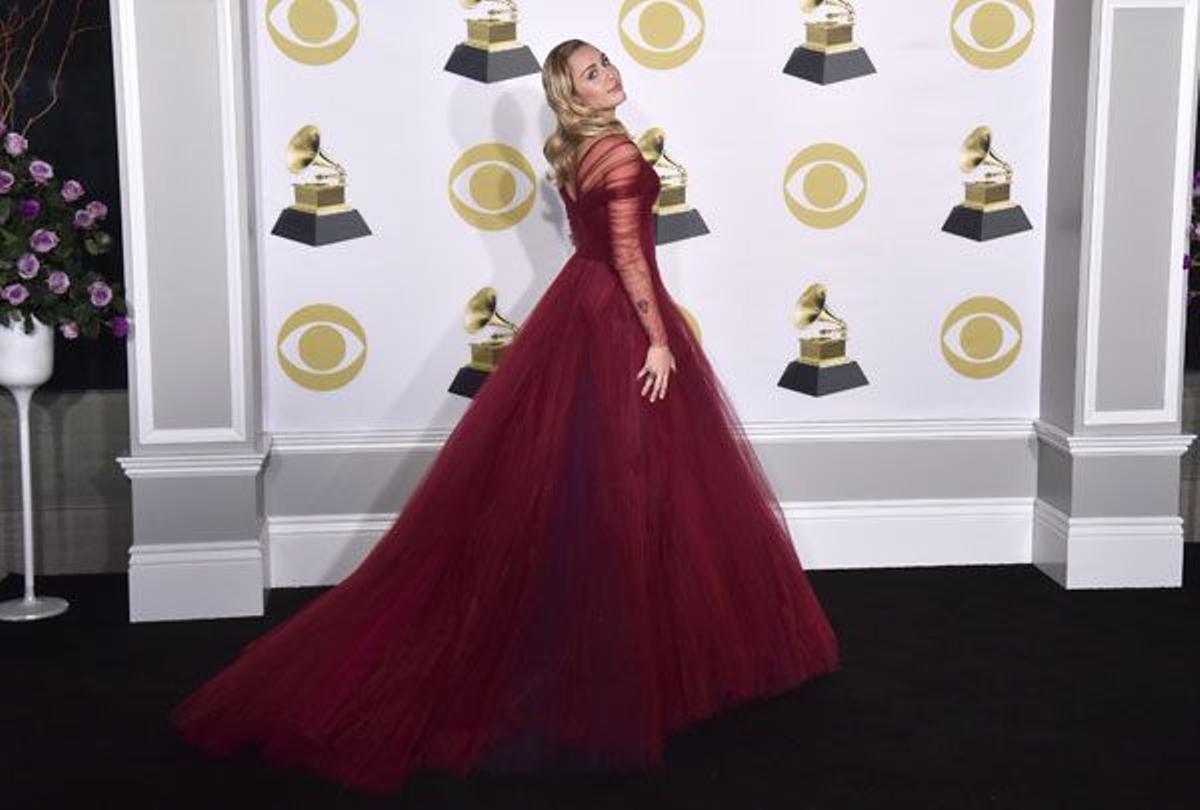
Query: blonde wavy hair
x=576, y=122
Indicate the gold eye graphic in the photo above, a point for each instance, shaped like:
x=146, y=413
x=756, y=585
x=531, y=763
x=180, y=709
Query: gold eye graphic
x=492, y=186
x=825, y=185
x=313, y=32
x=981, y=337
x=992, y=34
x=321, y=347
x=661, y=34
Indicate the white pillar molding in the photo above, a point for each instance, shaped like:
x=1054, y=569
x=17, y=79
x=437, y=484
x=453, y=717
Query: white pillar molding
x=1124, y=85
x=196, y=451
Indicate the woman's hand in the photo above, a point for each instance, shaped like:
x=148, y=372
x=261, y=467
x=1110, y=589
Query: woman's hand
x=657, y=368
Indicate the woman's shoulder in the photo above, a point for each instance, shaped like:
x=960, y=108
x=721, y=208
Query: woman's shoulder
x=609, y=148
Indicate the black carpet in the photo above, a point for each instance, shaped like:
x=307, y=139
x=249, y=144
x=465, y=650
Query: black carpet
x=960, y=688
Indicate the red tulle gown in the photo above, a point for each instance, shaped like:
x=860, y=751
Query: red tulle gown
x=579, y=573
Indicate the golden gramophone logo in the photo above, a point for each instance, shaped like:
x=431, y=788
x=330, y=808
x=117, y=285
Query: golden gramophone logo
x=988, y=212
x=492, y=52
x=992, y=34
x=829, y=53
x=321, y=347
x=485, y=354
x=319, y=215
x=661, y=34
x=492, y=186
x=675, y=218
x=825, y=185
x=981, y=337
x=313, y=32
x=823, y=366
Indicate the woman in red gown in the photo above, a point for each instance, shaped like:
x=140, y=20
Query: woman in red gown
x=593, y=560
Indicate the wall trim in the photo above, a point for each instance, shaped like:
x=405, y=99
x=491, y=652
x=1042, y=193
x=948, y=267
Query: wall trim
x=174, y=581
x=192, y=464
x=393, y=439
x=1142, y=444
x=230, y=49
x=136, y=255
x=1108, y=552
x=1095, y=189
x=308, y=550
x=911, y=532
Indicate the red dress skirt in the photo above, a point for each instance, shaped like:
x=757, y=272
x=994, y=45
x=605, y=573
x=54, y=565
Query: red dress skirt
x=579, y=573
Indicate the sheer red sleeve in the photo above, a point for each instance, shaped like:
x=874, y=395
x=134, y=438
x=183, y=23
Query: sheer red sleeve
x=616, y=165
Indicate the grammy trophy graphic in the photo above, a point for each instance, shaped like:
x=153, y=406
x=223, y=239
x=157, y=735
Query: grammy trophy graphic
x=988, y=212
x=485, y=355
x=823, y=367
x=829, y=53
x=674, y=217
x=320, y=215
x=492, y=52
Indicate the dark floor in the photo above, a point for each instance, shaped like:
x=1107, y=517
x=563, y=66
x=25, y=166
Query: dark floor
x=960, y=688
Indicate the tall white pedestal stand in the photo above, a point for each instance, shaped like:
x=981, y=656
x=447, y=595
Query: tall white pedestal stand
x=26, y=361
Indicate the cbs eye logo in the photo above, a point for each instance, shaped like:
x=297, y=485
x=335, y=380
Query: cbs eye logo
x=992, y=34
x=321, y=347
x=825, y=185
x=492, y=186
x=661, y=34
x=981, y=337
x=313, y=32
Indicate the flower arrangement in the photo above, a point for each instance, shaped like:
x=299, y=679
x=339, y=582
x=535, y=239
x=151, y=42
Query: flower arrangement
x=46, y=231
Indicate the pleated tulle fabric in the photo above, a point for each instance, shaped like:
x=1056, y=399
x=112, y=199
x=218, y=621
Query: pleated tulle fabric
x=578, y=574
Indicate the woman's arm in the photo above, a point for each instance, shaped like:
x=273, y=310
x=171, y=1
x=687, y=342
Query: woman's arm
x=625, y=215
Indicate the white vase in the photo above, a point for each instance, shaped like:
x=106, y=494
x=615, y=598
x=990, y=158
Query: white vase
x=27, y=361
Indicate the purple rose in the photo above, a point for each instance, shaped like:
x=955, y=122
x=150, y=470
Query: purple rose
x=29, y=208
x=15, y=294
x=28, y=266
x=58, y=282
x=70, y=330
x=40, y=171
x=43, y=240
x=6, y=182
x=101, y=294
x=120, y=326
x=15, y=144
x=72, y=190
x=83, y=218
x=97, y=209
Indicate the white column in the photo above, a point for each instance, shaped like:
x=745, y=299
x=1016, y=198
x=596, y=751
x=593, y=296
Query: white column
x=1124, y=101
x=197, y=450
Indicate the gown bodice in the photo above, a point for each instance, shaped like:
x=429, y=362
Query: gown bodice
x=611, y=222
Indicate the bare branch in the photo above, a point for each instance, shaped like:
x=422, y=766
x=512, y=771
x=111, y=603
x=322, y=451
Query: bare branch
x=45, y=6
x=56, y=82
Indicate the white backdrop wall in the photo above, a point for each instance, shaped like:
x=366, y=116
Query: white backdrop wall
x=397, y=121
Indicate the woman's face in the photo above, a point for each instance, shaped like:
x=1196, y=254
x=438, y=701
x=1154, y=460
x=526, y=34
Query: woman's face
x=597, y=81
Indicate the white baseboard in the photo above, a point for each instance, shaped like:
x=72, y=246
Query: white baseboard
x=323, y=549
x=911, y=532
x=173, y=581
x=1108, y=552
x=309, y=550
